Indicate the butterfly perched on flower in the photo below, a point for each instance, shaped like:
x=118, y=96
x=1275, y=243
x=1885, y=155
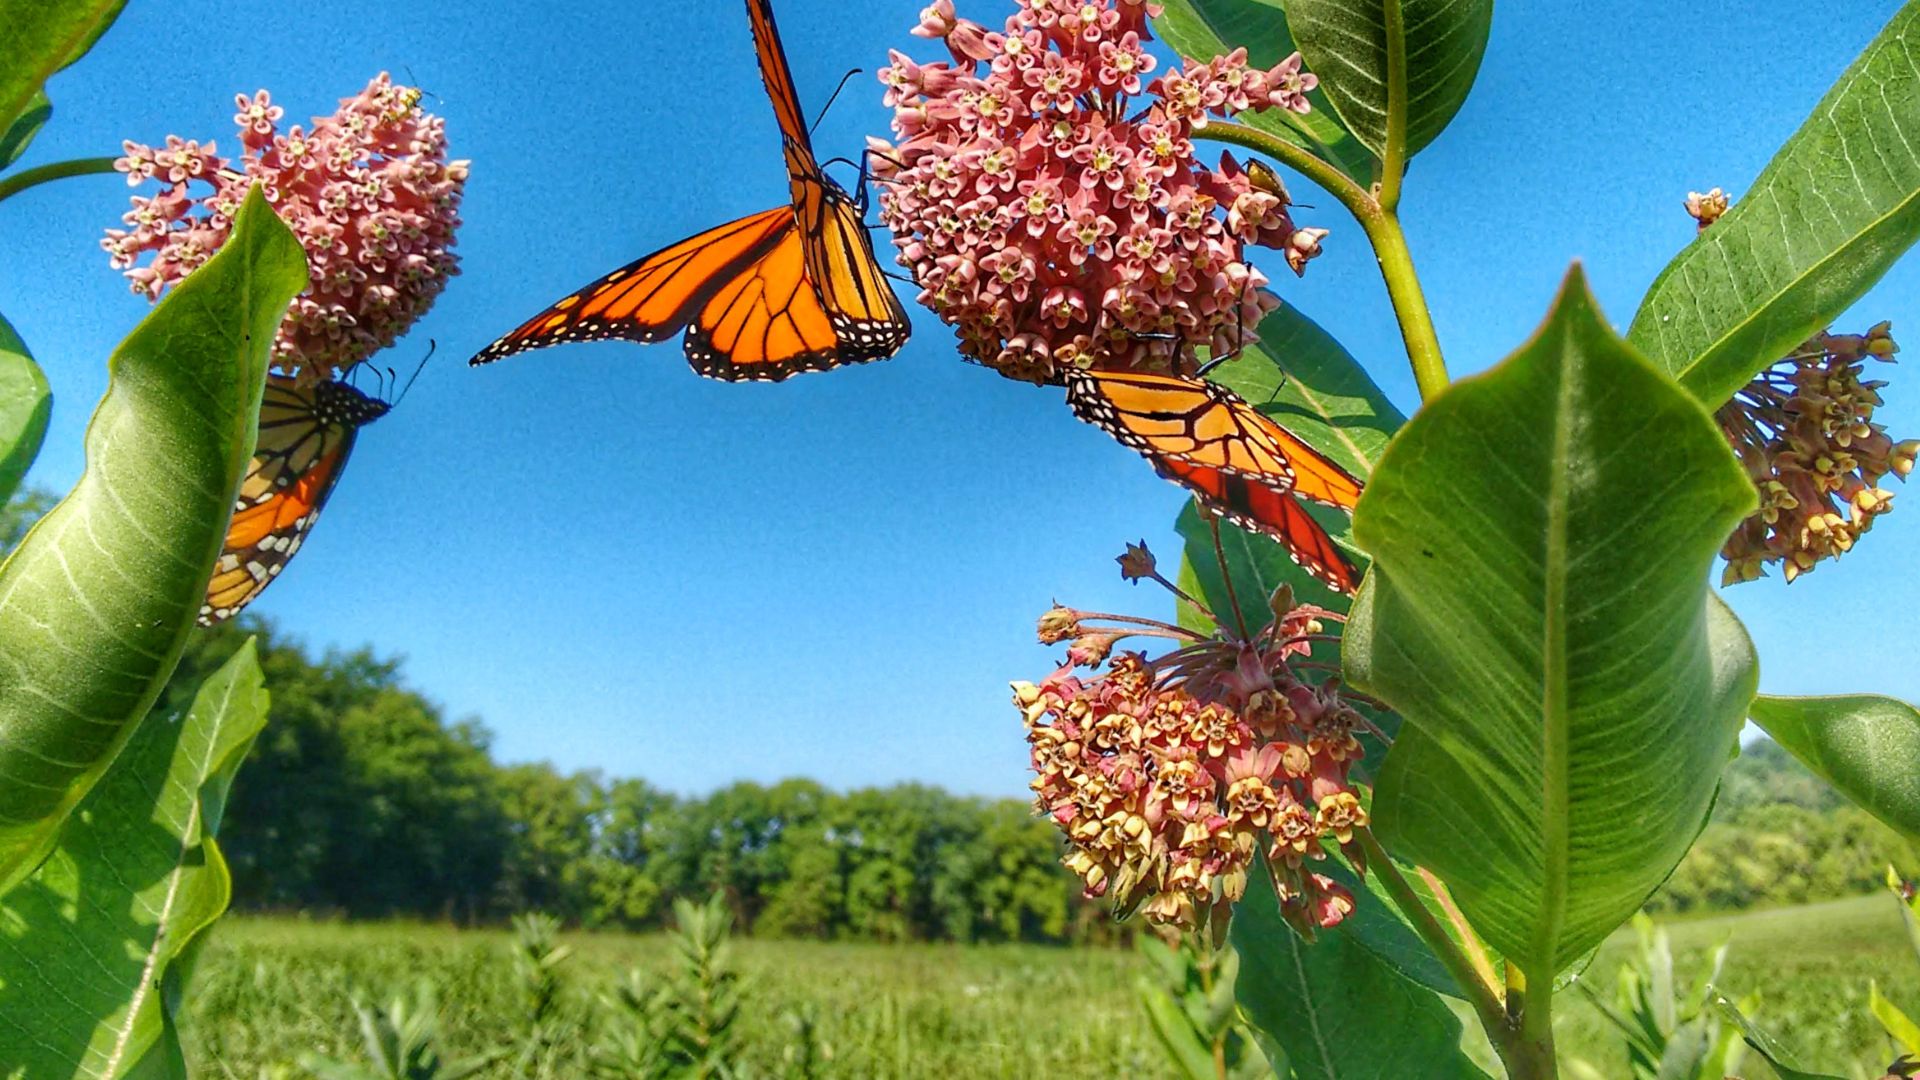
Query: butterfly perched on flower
x=306, y=436
x=1241, y=463
x=791, y=289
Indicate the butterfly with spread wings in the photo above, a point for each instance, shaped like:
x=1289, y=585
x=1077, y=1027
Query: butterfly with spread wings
x=1241, y=463
x=791, y=289
x=306, y=435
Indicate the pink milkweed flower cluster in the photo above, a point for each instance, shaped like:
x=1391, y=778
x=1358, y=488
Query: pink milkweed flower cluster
x=369, y=192
x=1047, y=198
x=1804, y=430
x=1169, y=776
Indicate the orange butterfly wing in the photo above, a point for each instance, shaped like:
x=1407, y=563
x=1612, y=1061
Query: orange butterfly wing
x=263, y=538
x=766, y=323
x=1255, y=506
x=1209, y=439
x=306, y=436
x=778, y=77
x=653, y=297
x=787, y=290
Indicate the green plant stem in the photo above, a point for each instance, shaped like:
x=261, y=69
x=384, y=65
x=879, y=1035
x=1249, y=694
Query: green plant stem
x=1382, y=227
x=1393, y=164
x=1409, y=302
x=1534, y=1054
x=1480, y=994
x=58, y=170
x=1528, y=1053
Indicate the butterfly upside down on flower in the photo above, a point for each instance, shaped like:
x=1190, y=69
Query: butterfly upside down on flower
x=306, y=436
x=1239, y=462
x=791, y=289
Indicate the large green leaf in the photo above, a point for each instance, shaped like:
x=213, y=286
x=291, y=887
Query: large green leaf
x=1376, y=57
x=38, y=38
x=1822, y=222
x=1538, y=614
x=1336, y=1009
x=1299, y=375
x=1867, y=747
x=92, y=945
x=1203, y=29
x=25, y=405
x=96, y=603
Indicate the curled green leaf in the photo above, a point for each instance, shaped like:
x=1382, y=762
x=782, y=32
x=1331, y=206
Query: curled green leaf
x=97, y=601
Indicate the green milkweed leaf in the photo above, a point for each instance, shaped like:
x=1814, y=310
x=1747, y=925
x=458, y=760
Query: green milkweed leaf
x=96, y=602
x=1538, y=615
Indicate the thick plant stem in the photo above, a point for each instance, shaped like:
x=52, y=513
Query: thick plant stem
x=1533, y=1055
x=1521, y=1026
x=1409, y=302
x=1383, y=230
x=58, y=170
x=1484, y=998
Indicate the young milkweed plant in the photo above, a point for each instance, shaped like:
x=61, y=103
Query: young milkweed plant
x=1447, y=788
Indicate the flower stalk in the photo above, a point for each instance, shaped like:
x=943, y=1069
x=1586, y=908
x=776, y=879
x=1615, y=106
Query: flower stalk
x=1375, y=211
x=55, y=170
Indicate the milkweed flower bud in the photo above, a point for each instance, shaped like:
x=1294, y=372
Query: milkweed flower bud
x=1805, y=433
x=1044, y=191
x=368, y=191
x=1706, y=207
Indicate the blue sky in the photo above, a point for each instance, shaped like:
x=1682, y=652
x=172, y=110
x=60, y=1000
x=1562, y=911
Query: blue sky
x=620, y=566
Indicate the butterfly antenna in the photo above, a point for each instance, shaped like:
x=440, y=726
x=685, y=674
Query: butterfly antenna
x=830, y=97
x=431, y=346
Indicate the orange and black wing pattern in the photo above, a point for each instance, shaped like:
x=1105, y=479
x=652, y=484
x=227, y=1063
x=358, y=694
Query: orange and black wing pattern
x=792, y=289
x=778, y=76
x=1238, y=460
x=651, y=298
x=306, y=436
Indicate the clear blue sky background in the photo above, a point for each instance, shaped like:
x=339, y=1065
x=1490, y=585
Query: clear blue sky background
x=620, y=566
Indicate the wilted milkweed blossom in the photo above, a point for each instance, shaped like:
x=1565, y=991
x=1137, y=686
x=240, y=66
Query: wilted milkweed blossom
x=369, y=192
x=1047, y=198
x=1170, y=775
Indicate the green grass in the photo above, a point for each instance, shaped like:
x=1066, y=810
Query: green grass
x=266, y=989
x=1810, y=966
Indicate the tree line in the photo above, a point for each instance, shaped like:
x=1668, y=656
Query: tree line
x=361, y=798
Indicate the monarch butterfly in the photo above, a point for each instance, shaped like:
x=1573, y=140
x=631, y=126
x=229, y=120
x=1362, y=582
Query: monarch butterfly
x=1241, y=463
x=306, y=434
x=791, y=289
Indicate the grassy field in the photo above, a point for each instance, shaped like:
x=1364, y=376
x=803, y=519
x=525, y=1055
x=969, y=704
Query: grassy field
x=266, y=989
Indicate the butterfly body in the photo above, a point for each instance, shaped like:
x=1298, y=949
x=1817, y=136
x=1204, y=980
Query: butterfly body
x=792, y=289
x=306, y=436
